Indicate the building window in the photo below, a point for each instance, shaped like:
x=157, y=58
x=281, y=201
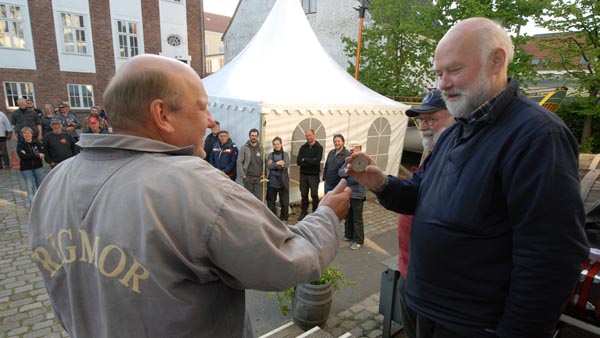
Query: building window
x=81, y=96
x=128, y=38
x=174, y=40
x=73, y=28
x=310, y=6
x=221, y=49
x=11, y=27
x=221, y=63
x=208, y=65
x=207, y=49
x=15, y=90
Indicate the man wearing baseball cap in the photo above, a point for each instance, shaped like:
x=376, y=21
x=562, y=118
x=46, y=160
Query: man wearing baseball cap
x=432, y=118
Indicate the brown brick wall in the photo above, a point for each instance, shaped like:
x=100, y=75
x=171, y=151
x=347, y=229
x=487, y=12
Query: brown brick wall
x=151, y=15
x=194, y=37
x=50, y=84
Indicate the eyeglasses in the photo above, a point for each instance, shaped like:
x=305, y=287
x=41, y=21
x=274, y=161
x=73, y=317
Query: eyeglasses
x=61, y=107
x=430, y=122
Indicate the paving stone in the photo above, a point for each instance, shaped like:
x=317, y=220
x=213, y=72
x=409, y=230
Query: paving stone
x=30, y=306
x=18, y=331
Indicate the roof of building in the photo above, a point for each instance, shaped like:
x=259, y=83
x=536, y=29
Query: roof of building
x=216, y=22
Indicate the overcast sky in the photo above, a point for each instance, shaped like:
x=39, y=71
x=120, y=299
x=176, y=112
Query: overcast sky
x=227, y=7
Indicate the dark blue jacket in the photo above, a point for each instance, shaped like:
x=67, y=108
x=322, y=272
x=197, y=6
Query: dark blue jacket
x=497, y=239
x=333, y=163
x=224, y=158
x=29, y=154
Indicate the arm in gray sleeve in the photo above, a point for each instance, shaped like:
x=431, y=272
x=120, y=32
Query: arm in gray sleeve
x=255, y=250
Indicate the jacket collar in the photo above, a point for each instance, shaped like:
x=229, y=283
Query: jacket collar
x=135, y=143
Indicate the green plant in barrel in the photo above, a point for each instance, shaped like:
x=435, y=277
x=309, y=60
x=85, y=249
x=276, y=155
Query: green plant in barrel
x=310, y=303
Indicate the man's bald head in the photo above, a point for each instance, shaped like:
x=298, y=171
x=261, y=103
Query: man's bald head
x=137, y=83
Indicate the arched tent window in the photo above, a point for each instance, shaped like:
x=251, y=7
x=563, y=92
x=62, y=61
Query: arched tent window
x=378, y=141
x=299, y=138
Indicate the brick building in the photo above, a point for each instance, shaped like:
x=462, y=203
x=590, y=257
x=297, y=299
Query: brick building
x=54, y=50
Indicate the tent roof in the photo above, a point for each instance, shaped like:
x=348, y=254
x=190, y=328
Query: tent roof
x=284, y=64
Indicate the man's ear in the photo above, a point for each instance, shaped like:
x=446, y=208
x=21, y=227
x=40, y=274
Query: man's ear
x=161, y=116
x=498, y=60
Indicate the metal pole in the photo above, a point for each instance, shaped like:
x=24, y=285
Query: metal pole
x=361, y=13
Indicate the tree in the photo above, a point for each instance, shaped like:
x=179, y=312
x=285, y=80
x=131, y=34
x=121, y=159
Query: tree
x=576, y=51
x=398, y=48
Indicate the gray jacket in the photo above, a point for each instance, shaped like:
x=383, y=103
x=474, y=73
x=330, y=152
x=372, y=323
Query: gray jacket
x=158, y=243
x=250, y=160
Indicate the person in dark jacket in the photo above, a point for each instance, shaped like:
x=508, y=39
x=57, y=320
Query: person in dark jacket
x=278, y=162
x=211, y=139
x=335, y=160
x=59, y=146
x=25, y=117
x=31, y=154
x=354, y=227
x=497, y=241
x=224, y=155
x=309, y=161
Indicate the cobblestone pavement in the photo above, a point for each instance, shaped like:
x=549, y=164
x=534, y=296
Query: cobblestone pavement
x=25, y=309
x=24, y=306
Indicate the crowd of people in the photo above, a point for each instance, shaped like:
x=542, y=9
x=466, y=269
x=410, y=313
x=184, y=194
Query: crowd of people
x=493, y=246
x=47, y=135
x=272, y=173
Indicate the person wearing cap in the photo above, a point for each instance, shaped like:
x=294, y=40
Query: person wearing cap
x=94, y=113
x=93, y=126
x=69, y=120
x=59, y=145
x=211, y=139
x=497, y=242
x=354, y=228
x=432, y=118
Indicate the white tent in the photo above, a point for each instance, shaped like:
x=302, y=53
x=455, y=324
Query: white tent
x=283, y=83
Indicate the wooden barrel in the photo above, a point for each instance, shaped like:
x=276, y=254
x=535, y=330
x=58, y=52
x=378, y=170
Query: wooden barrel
x=311, y=305
x=589, y=174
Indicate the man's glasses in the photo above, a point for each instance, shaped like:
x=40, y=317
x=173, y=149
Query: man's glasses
x=430, y=122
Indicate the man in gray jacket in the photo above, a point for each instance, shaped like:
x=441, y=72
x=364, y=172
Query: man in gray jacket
x=250, y=163
x=159, y=243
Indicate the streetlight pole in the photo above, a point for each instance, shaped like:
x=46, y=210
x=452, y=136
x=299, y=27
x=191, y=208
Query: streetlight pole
x=361, y=14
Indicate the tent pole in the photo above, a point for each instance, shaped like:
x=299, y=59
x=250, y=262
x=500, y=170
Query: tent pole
x=263, y=179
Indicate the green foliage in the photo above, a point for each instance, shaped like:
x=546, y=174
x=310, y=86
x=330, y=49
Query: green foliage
x=398, y=49
x=576, y=54
x=332, y=275
x=573, y=111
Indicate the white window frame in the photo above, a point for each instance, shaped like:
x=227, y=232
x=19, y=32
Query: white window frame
x=128, y=40
x=77, y=98
x=208, y=66
x=74, y=37
x=12, y=31
x=206, y=48
x=309, y=6
x=221, y=49
x=23, y=89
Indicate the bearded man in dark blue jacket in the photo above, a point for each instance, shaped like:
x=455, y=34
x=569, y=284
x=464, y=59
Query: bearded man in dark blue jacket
x=497, y=240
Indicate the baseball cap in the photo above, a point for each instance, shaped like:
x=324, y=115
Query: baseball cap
x=431, y=103
x=53, y=121
x=92, y=120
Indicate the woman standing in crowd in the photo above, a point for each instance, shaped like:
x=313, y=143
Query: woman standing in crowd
x=31, y=154
x=46, y=118
x=279, y=180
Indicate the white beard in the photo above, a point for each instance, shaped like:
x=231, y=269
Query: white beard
x=469, y=99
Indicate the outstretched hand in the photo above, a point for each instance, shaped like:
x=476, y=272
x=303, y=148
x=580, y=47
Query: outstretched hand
x=338, y=199
x=372, y=177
